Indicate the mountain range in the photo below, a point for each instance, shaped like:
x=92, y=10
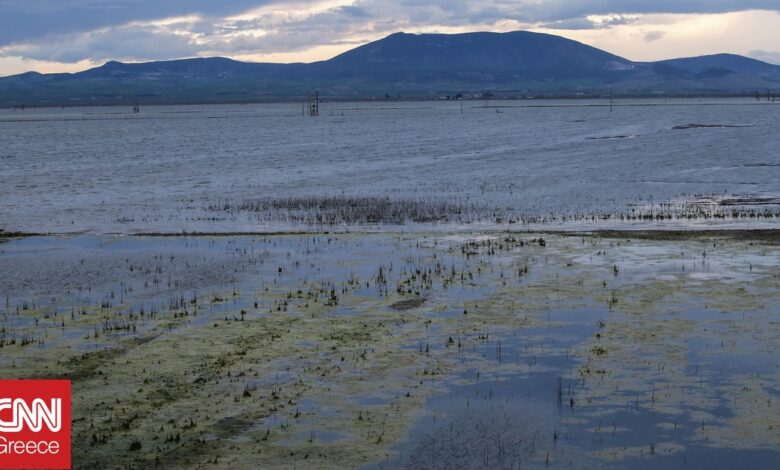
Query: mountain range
x=514, y=64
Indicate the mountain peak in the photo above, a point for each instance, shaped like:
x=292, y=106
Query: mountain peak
x=491, y=56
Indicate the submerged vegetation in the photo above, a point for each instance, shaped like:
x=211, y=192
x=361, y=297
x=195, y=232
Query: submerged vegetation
x=334, y=211
x=338, y=210
x=486, y=349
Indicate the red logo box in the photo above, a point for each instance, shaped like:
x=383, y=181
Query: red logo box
x=35, y=424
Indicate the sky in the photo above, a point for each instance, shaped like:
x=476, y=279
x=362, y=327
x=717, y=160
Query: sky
x=72, y=35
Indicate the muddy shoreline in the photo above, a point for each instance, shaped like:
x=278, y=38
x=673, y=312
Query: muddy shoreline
x=770, y=236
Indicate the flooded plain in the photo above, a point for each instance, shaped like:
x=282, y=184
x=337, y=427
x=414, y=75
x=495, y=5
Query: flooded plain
x=265, y=167
x=424, y=350
x=521, y=284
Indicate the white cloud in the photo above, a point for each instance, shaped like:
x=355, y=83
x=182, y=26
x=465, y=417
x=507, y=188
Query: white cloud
x=126, y=43
x=685, y=35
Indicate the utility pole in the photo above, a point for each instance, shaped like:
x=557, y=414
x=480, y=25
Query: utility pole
x=314, y=106
x=610, y=100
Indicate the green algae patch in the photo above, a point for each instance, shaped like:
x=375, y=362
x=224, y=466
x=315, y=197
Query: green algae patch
x=311, y=353
x=622, y=453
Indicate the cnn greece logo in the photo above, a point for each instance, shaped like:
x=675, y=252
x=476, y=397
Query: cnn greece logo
x=35, y=417
x=35, y=424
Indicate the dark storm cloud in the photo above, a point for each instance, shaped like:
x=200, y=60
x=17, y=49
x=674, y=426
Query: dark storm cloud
x=24, y=20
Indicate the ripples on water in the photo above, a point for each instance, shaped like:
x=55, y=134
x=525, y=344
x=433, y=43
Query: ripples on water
x=255, y=167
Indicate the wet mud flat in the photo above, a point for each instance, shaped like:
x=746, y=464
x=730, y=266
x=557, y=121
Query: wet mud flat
x=404, y=350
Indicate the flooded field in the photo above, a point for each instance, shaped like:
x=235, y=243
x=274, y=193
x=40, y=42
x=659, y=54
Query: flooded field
x=475, y=349
x=515, y=284
x=512, y=164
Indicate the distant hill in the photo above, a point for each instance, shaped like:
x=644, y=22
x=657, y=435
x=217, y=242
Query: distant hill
x=731, y=62
x=410, y=65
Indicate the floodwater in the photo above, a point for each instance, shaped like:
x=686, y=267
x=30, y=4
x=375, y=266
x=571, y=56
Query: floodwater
x=420, y=350
x=265, y=167
x=428, y=312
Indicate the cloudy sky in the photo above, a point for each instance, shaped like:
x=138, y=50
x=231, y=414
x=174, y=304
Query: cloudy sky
x=72, y=35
